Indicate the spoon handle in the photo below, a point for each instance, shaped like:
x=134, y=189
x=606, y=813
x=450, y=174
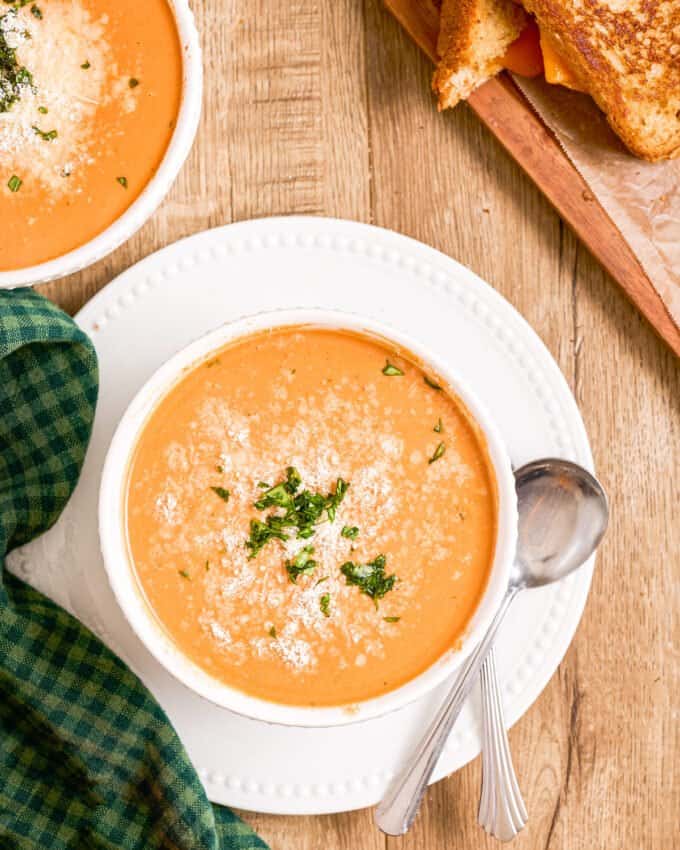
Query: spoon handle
x=502, y=812
x=399, y=807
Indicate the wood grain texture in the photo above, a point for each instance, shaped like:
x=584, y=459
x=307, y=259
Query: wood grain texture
x=506, y=112
x=320, y=107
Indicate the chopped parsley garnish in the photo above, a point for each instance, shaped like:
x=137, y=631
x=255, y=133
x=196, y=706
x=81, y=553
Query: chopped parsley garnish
x=433, y=384
x=333, y=500
x=293, y=479
x=272, y=632
x=262, y=532
x=184, y=574
x=301, y=564
x=219, y=468
x=391, y=370
x=438, y=428
x=46, y=136
x=321, y=581
x=36, y=12
x=86, y=65
x=221, y=492
x=438, y=452
x=302, y=510
x=124, y=183
x=281, y=495
x=14, y=78
x=391, y=619
x=42, y=110
x=370, y=578
x=133, y=82
x=351, y=532
x=14, y=183
x=325, y=604
x=263, y=485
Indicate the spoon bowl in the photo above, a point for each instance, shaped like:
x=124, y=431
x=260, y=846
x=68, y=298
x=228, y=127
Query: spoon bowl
x=563, y=515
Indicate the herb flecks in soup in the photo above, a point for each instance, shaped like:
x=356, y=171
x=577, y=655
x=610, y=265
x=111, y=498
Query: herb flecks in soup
x=78, y=139
x=343, y=561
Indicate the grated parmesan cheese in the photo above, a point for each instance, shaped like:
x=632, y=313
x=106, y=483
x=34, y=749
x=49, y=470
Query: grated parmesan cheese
x=54, y=50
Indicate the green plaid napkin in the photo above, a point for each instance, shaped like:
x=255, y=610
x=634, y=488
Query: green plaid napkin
x=87, y=757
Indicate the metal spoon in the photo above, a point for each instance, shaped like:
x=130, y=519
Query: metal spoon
x=563, y=515
x=502, y=812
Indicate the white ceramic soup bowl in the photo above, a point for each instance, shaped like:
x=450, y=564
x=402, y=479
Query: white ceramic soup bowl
x=124, y=581
x=156, y=189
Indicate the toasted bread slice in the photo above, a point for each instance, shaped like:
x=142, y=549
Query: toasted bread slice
x=626, y=55
x=473, y=39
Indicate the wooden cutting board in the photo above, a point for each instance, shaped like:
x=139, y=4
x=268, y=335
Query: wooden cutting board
x=509, y=116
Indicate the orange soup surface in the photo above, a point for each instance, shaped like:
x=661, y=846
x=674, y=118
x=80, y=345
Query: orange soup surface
x=311, y=518
x=89, y=96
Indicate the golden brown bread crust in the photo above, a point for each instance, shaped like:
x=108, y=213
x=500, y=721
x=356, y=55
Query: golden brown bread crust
x=473, y=38
x=626, y=53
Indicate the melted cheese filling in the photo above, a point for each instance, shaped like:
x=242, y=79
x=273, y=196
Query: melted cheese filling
x=556, y=69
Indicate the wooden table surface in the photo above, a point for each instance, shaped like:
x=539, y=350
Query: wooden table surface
x=324, y=108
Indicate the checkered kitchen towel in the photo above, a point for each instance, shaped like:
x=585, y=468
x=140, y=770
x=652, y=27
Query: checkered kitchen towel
x=88, y=760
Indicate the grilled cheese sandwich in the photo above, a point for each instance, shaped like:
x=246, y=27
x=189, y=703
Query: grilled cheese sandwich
x=624, y=53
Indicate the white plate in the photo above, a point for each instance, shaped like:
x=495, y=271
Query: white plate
x=176, y=295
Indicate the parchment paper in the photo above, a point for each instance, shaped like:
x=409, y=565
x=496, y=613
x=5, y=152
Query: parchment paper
x=641, y=198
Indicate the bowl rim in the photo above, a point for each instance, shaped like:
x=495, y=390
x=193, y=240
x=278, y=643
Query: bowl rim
x=150, y=198
x=121, y=572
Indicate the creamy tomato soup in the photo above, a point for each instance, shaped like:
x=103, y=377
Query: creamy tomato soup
x=89, y=95
x=311, y=517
